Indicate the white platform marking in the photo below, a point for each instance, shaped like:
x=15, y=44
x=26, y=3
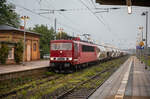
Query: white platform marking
x=121, y=90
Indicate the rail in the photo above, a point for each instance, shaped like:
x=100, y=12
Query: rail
x=69, y=92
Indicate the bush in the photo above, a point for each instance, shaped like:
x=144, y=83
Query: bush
x=18, y=52
x=4, y=50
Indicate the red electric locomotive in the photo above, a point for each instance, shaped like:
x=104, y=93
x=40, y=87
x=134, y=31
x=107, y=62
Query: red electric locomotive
x=72, y=54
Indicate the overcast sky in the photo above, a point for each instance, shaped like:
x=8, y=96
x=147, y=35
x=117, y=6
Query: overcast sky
x=115, y=27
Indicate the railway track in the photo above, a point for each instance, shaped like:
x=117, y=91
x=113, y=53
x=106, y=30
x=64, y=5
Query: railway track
x=30, y=85
x=43, y=80
x=82, y=90
x=77, y=91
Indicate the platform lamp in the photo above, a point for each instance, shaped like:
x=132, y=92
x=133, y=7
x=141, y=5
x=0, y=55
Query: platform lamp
x=129, y=4
x=146, y=49
x=141, y=39
x=24, y=18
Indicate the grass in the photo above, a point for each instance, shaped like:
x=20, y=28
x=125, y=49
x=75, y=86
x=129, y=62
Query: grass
x=66, y=81
x=12, y=83
x=144, y=60
x=49, y=73
x=96, y=82
x=18, y=83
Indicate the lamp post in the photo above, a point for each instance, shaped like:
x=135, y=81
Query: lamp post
x=24, y=18
x=146, y=49
x=141, y=30
x=141, y=41
x=129, y=4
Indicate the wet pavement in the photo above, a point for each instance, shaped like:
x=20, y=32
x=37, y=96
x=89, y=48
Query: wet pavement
x=130, y=81
x=4, y=69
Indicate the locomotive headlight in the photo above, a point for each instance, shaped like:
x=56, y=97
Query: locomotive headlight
x=70, y=58
x=52, y=58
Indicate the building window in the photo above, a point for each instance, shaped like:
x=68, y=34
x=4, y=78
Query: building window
x=34, y=46
x=11, y=53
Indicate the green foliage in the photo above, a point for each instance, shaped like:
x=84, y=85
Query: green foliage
x=48, y=73
x=8, y=15
x=47, y=36
x=18, y=52
x=4, y=50
x=143, y=59
x=62, y=35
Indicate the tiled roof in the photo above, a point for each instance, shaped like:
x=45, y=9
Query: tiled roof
x=9, y=28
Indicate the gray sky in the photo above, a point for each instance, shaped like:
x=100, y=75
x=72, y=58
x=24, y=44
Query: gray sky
x=117, y=27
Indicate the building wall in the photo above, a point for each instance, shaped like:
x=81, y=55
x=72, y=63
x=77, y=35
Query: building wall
x=32, y=42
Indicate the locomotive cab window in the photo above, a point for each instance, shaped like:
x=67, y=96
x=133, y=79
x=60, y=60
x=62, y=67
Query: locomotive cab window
x=86, y=48
x=61, y=46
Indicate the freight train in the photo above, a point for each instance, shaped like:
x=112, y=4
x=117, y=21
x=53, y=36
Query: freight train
x=75, y=54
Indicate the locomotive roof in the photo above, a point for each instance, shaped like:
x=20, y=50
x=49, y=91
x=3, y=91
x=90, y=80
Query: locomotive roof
x=77, y=41
x=55, y=41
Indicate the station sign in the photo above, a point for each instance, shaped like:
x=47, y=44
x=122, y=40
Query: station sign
x=141, y=43
x=139, y=47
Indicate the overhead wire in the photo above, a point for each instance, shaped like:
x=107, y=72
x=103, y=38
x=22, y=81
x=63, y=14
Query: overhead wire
x=33, y=12
x=92, y=12
x=83, y=9
x=101, y=15
x=99, y=19
x=90, y=3
x=29, y=10
x=76, y=9
x=93, y=3
x=108, y=26
x=65, y=18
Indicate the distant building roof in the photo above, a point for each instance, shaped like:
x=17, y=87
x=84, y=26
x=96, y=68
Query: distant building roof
x=145, y=3
x=9, y=28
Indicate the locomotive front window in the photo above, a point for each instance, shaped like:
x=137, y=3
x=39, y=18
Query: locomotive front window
x=61, y=46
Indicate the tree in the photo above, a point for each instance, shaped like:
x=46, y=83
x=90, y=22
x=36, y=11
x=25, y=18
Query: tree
x=4, y=50
x=7, y=14
x=18, y=52
x=47, y=36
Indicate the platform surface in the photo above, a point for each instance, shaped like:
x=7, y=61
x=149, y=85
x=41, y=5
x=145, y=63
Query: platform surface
x=28, y=66
x=130, y=81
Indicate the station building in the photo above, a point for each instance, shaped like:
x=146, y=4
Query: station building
x=10, y=36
